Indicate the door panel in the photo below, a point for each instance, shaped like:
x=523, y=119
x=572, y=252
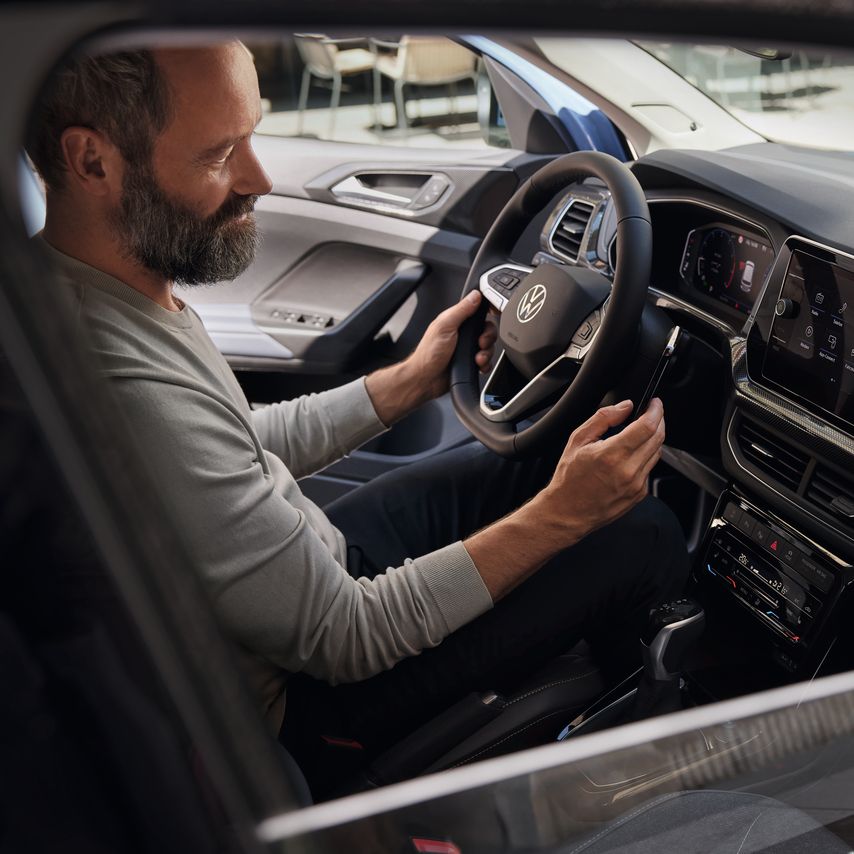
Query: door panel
x=326, y=257
x=338, y=289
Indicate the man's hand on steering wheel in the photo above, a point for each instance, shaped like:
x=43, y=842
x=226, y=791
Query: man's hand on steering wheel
x=424, y=374
x=432, y=356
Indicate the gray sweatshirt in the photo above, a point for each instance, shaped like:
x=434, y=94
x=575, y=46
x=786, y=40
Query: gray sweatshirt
x=272, y=562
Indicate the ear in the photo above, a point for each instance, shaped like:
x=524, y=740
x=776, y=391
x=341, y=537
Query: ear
x=94, y=164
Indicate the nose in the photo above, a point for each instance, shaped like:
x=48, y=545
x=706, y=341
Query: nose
x=253, y=180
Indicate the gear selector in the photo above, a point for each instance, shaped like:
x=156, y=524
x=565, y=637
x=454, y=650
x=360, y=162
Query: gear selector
x=672, y=630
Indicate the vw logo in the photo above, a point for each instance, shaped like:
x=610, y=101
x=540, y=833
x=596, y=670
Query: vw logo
x=531, y=303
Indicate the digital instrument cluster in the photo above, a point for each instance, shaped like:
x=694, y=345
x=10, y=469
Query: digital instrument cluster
x=726, y=264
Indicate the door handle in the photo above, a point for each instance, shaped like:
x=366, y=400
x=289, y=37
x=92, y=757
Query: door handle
x=393, y=191
x=353, y=188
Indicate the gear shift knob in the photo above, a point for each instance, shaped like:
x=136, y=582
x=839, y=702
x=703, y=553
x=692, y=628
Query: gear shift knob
x=673, y=628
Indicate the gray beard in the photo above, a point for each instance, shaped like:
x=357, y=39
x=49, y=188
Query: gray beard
x=173, y=241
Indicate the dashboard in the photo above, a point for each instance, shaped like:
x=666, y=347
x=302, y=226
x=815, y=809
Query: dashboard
x=752, y=256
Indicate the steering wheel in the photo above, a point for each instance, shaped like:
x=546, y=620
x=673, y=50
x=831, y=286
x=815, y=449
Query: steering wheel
x=567, y=334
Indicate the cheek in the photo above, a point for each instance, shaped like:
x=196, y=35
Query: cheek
x=208, y=192
x=200, y=190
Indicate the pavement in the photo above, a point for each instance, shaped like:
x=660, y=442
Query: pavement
x=435, y=122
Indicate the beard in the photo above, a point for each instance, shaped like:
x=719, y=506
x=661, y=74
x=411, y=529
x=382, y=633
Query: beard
x=171, y=239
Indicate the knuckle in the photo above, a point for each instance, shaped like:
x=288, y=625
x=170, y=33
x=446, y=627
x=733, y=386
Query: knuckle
x=646, y=428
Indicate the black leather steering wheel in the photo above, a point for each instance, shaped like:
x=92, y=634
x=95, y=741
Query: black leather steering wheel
x=567, y=334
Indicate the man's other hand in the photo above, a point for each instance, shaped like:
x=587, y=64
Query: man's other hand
x=424, y=375
x=595, y=482
x=598, y=480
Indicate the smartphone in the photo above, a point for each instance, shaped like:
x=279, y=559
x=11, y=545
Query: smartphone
x=658, y=373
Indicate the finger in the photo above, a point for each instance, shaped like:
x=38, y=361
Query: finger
x=452, y=318
x=642, y=453
x=640, y=431
x=643, y=477
x=651, y=463
x=488, y=337
x=601, y=421
x=483, y=360
x=651, y=454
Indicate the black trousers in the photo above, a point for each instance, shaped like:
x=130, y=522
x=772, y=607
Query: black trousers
x=601, y=590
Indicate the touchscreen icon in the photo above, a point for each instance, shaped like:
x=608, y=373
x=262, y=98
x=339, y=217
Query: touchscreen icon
x=808, y=332
x=747, y=276
x=819, y=298
x=832, y=340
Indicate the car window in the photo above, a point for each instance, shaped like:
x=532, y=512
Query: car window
x=799, y=97
x=412, y=91
x=768, y=772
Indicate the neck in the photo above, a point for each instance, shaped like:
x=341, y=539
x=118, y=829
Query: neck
x=91, y=241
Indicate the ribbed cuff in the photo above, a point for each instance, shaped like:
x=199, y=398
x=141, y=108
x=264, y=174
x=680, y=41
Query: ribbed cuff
x=352, y=413
x=455, y=584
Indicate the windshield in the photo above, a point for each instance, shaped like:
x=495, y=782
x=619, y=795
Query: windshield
x=804, y=99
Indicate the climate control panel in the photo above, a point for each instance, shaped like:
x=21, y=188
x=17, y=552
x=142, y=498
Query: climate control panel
x=783, y=579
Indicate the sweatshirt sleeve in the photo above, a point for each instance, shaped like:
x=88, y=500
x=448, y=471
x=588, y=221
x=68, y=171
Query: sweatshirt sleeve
x=274, y=580
x=313, y=431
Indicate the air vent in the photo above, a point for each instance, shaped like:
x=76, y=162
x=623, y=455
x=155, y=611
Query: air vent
x=569, y=231
x=833, y=492
x=771, y=455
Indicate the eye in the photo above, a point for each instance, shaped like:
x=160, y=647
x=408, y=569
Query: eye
x=220, y=161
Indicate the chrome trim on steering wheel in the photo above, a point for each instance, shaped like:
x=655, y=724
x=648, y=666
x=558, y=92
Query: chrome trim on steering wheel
x=551, y=376
x=537, y=389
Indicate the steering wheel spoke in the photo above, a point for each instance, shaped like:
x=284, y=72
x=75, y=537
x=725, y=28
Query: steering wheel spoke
x=507, y=397
x=586, y=334
x=498, y=283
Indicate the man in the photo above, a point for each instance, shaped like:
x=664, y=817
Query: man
x=151, y=180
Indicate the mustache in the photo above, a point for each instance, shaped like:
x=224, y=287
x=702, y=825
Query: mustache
x=233, y=207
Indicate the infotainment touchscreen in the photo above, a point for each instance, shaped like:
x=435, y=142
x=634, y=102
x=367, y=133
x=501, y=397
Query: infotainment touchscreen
x=811, y=348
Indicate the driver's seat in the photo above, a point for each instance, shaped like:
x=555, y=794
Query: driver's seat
x=484, y=725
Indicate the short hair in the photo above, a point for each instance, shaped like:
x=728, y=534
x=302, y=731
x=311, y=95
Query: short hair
x=124, y=96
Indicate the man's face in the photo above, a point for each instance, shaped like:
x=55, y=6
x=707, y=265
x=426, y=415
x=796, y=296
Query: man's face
x=187, y=215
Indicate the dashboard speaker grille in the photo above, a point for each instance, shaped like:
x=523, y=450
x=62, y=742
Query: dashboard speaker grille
x=771, y=455
x=832, y=491
x=569, y=231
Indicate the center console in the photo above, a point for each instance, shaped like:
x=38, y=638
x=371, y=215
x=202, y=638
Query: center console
x=780, y=546
x=786, y=584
